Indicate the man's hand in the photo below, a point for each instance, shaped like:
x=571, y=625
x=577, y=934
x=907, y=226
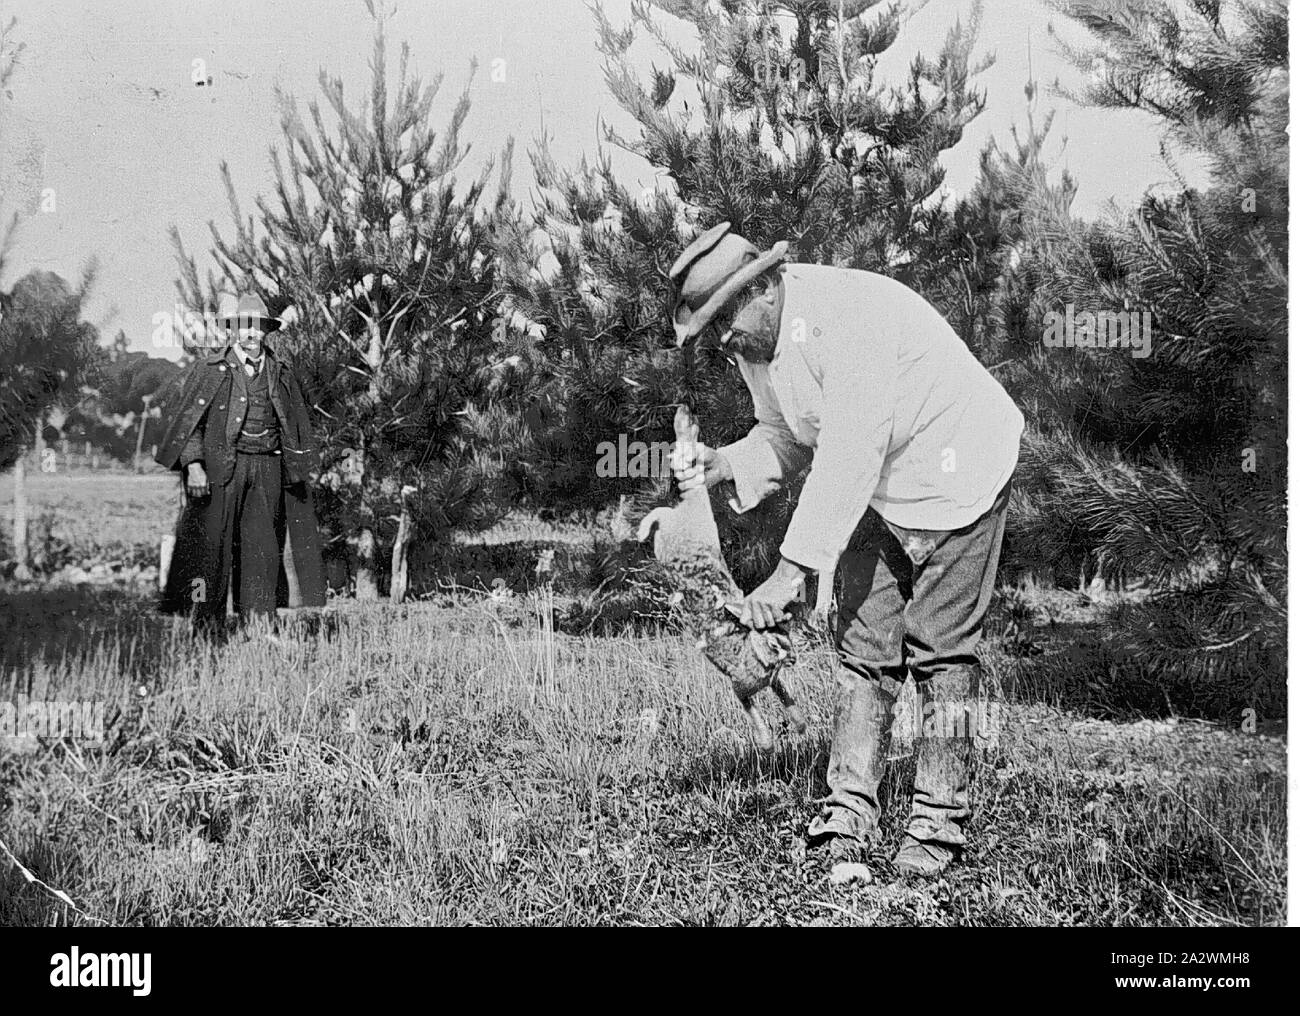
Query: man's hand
x=196, y=482
x=765, y=606
x=698, y=464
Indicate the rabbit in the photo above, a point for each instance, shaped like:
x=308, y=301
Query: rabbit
x=686, y=542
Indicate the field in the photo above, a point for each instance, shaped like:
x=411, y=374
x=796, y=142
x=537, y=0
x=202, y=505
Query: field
x=93, y=517
x=460, y=761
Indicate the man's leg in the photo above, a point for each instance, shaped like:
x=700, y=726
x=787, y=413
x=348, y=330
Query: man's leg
x=871, y=672
x=209, y=592
x=259, y=545
x=952, y=587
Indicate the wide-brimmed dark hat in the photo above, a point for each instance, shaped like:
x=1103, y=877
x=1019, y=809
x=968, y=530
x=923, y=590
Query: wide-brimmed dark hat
x=716, y=266
x=246, y=307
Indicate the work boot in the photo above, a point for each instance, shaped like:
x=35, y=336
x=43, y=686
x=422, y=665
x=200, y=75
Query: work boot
x=864, y=712
x=924, y=859
x=949, y=701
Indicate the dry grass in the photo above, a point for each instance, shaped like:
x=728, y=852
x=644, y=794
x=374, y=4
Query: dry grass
x=457, y=761
x=463, y=765
x=83, y=517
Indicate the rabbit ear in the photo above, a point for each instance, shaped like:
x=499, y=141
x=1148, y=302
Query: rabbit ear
x=649, y=524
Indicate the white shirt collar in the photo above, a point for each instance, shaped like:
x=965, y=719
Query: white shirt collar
x=243, y=357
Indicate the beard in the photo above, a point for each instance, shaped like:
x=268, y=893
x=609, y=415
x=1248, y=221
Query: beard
x=752, y=347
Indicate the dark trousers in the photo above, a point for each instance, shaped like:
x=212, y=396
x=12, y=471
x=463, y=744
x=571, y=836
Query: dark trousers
x=245, y=528
x=916, y=600
x=918, y=597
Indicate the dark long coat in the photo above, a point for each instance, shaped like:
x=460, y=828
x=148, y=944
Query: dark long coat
x=197, y=420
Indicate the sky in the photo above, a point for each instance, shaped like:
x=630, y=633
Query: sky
x=107, y=142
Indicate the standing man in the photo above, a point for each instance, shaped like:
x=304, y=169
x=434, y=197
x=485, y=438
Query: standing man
x=241, y=436
x=912, y=445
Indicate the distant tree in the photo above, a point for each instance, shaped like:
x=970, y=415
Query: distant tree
x=126, y=381
x=44, y=348
x=119, y=347
x=127, y=392
x=384, y=265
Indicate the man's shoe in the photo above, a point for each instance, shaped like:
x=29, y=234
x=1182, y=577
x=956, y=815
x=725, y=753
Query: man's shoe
x=845, y=860
x=840, y=838
x=924, y=859
x=839, y=849
x=835, y=824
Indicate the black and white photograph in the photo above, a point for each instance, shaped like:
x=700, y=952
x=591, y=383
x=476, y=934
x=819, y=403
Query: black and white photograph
x=644, y=463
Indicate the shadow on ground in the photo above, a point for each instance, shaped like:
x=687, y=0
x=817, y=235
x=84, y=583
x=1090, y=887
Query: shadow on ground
x=52, y=624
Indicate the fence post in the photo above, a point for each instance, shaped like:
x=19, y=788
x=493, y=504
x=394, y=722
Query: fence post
x=22, y=572
x=165, y=548
x=139, y=437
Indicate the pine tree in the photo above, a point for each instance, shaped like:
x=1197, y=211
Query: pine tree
x=385, y=267
x=1009, y=234
x=776, y=123
x=992, y=234
x=1172, y=467
x=45, y=349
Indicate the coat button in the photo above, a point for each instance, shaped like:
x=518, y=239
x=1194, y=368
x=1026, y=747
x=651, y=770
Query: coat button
x=203, y=402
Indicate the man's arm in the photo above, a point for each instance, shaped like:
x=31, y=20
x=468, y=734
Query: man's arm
x=191, y=463
x=302, y=452
x=192, y=450
x=856, y=430
x=767, y=455
x=173, y=401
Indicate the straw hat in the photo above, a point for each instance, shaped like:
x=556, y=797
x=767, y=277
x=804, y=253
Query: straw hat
x=716, y=266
